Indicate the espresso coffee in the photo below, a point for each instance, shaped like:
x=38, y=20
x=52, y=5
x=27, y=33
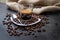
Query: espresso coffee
x=26, y=14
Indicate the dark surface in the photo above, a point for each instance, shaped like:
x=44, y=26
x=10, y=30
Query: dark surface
x=52, y=29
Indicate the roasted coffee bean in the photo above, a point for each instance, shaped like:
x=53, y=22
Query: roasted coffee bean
x=43, y=30
x=10, y=28
x=3, y=22
x=45, y=19
x=16, y=27
x=14, y=33
x=4, y=18
x=30, y=32
x=10, y=34
x=18, y=34
x=35, y=36
x=28, y=28
x=8, y=24
x=39, y=30
x=8, y=19
x=56, y=24
x=47, y=22
x=43, y=24
x=21, y=33
x=8, y=15
x=33, y=27
x=33, y=33
x=9, y=31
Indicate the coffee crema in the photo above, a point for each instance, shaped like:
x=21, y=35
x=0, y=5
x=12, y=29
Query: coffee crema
x=26, y=11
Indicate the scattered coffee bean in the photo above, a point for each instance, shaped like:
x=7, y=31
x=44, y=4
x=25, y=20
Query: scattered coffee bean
x=8, y=15
x=21, y=33
x=28, y=28
x=9, y=31
x=4, y=18
x=10, y=28
x=16, y=27
x=33, y=27
x=56, y=24
x=33, y=33
x=18, y=34
x=3, y=22
x=43, y=30
x=39, y=30
x=14, y=33
x=35, y=36
x=8, y=24
x=29, y=33
x=8, y=19
x=10, y=34
x=47, y=22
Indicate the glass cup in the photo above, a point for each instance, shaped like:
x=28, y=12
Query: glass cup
x=26, y=11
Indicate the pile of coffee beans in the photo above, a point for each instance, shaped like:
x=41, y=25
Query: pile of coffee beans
x=15, y=30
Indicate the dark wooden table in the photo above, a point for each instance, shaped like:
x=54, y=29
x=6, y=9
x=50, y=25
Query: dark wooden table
x=52, y=29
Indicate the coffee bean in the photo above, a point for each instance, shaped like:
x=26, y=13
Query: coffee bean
x=8, y=19
x=9, y=31
x=10, y=34
x=18, y=34
x=33, y=34
x=33, y=27
x=8, y=15
x=39, y=30
x=14, y=33
x=8, y=24
x=47, y=22
x=16, y=27
x=28, y=28
x=21, y=33
x=56, y=23
x=10, y=28
x=43, y=30
x=3, y=22
x=29, y=33
x=4, y=18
